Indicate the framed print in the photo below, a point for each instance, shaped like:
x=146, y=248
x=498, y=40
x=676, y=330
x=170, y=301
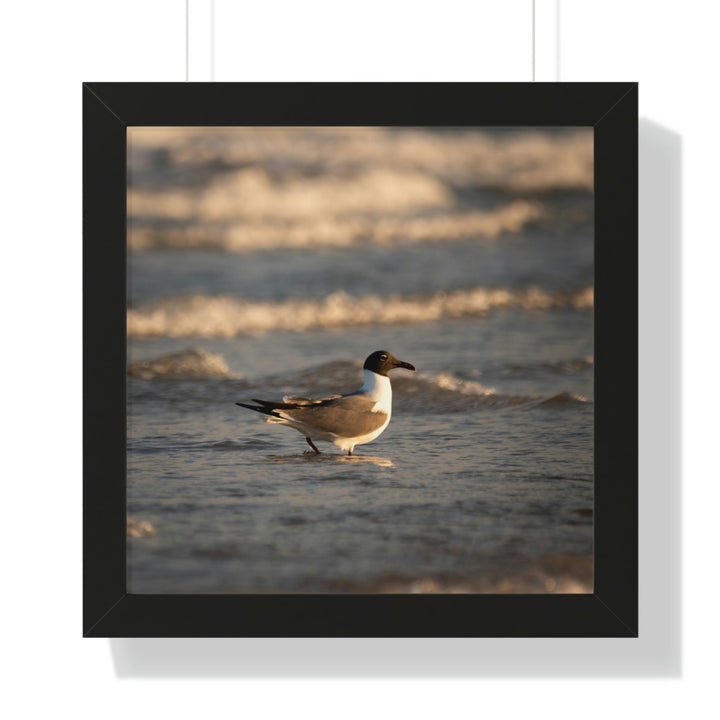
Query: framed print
x=360, y=360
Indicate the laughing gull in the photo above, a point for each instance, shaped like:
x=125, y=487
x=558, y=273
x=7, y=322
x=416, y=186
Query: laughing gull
x=345, y=420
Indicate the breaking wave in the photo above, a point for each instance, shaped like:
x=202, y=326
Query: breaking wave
x=448, y=393
x=444, y=392
x=228, y=316
x=520, y=161
x=562, y=400
x=252, y=193
x=191, y=363
x=332, y=231
x=257, y=189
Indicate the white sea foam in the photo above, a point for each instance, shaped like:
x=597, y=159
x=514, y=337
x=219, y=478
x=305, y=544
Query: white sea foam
x=228, y=316
x=139, y=528
x=190, y=363
x=251, y=193
x=253, y=188
x=448, y=381
x=332, y=231
x=524, y=160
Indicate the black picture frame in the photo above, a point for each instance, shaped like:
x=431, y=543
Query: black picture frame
x=611, y=109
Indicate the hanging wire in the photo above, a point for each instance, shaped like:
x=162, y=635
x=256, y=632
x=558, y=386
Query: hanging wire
x=533, y=40
x=212, y=40
x=187, y=40
x=557, y=40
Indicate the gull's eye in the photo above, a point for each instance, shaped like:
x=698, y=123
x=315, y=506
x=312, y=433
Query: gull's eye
x=383, y=357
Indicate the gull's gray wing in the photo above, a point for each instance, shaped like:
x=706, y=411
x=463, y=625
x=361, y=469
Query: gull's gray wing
x=346, y=416
x=293, y=400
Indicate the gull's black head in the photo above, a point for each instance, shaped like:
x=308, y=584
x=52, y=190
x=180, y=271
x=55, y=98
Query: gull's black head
x=382, y=362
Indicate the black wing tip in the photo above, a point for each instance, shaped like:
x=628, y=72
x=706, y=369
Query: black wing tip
x=250, y=407
x=265, y=409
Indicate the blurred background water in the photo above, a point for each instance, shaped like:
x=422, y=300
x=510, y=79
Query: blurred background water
x=271, y=261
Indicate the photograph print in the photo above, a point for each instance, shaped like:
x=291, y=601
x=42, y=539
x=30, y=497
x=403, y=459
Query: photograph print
x=360, y=360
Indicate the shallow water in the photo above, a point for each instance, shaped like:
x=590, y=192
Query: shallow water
x=483, y=481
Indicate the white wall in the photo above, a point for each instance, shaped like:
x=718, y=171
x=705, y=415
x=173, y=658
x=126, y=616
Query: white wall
x=47, y=49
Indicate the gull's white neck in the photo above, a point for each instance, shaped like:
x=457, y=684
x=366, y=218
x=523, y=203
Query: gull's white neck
x=379, y=389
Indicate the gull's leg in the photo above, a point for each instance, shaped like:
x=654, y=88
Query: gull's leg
x=312, y=445
x=349, y=452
